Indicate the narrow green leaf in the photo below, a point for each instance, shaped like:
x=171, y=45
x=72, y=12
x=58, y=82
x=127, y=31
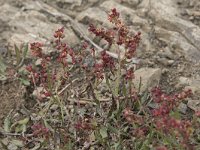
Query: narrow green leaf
x=103, y=132
x=19, y=128
x=112, y=129
x=3, y=77
x=25, y=50
x=18, y=55
x=3, y=67
x=7, y=124
x=48, y=126
x=24, y=82
x=23, y=121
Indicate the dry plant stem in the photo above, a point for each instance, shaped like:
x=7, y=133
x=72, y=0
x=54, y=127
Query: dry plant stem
x=36, y=89
x=61, y=91
x=82, y=102
x=15, y=134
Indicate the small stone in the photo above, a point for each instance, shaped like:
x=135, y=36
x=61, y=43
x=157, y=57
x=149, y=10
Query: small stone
x=194, y=105
x=165, y=70
x=89, y=16
x=191, y=17
x=165, y=61
x=166, y=53
x=5, y=141
x=150, y=78
x=12, y=147
x=37, y=92
x=54, y=107
x=182, y=108
x=184, y=81
x=38, y=62
x=170, y=62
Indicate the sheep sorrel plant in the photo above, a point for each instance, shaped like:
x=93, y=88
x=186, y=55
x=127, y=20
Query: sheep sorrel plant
x=86, y=98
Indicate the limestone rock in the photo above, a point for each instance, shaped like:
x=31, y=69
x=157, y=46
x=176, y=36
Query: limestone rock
x=175, y=39
x=71, y=1
x=92, y=15
x=7, y=12
x=182, y=108
x=194, y=105
x=33, y=26
x=193, y=84
x=184, y=81
x=132, y=3
x=150, y=77
x=165, y=17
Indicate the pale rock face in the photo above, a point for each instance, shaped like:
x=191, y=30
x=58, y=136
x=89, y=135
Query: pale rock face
x=7, y=12
x=194, y=105
x=175, y=39
x=92, y=15
x=150, y=77
x=165, y=17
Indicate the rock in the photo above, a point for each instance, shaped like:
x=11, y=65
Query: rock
x=7, y=12
x=92, y=15
x=164, y=13
x=165, y=61
x=166, y=53
x=150, y=77
x=182, y=108
x=54, y=107
x=194, y=105
x=37, y=92
x=37, y=25
x=20, y=39
x=170, y=62
x=175, y=39
x=132, y=3
x=184, y=81
x=194, y=85
x=38, y=62
x=5, y=141
x=32, y=26
x=12, y=147
x=78, y=2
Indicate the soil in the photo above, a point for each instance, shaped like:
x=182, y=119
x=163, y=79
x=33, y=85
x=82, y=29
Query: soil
x=11, y=97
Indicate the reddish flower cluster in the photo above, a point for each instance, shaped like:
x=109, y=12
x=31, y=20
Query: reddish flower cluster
x=129, y=74
x=131, y=44
x=162, y=119
x=167, y=102
x=107, y=35
x=114, y=16
x=107, y=60
x=63, y=48
x=122, y=35
x=59, y=34
x=40, y=131
x=98, y=71
x=36, y=49
x=181, y=129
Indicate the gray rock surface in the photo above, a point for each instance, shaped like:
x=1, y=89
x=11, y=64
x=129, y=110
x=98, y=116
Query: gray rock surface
x=149, y=78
